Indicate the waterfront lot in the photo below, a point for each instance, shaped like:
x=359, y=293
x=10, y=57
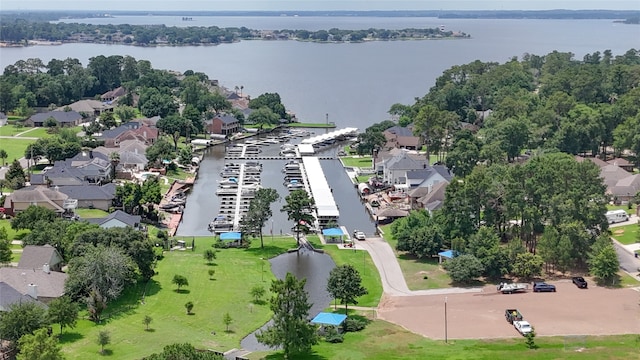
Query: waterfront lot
x=236, y=271
x=569, y=311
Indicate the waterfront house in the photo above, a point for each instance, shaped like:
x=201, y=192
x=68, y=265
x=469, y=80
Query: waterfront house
x=62, y=118
x=39, y=257
x=117, y=218
x=394, y=169
x=91, y=196
x=429, y=198
x=401, y=137
x=223, y=124
x=428, y=176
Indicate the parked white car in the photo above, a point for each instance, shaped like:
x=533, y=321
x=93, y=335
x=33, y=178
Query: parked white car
x=523, y=327
x=359, y=235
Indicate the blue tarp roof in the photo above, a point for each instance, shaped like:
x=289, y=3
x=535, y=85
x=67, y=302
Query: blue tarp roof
x=332, y=232
x=329, y=319
x=230, y=236
x=450, y=254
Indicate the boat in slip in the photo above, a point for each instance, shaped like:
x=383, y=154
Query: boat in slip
x=221, y=222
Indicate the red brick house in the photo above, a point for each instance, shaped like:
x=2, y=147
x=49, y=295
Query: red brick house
x=223, y=124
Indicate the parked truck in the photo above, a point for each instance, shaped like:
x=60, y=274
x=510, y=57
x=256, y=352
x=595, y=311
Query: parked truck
x=513, y=315
x=512, y=288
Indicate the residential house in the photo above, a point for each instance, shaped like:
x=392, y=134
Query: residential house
x=401, y=137
x=623, y=163
x=111, y=96
x=223, y=124
x=394, y=169
x=611, y=174
x=41, y=284
x=90, y=108
x=625, y=189
x=86, y=167
x=428, y=176
x=429, y=198
x=21, y=199
x=91, y=196
x=39, y=257
x=117, y=219
x=129, y=131
x=131, y=152
x=594, y=160
x=62, y=118
x=10, y=296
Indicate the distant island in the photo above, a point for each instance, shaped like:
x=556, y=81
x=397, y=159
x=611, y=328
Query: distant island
x=18, y=32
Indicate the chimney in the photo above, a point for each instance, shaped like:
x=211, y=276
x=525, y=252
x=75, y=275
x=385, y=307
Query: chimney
x=46, y=268
x=32, y=290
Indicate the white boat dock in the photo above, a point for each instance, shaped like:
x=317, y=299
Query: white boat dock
x=326, y=207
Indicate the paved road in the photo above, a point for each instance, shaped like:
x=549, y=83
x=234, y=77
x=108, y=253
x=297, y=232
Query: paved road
x=393, y=282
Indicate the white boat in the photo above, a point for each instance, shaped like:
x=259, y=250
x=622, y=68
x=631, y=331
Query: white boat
x=295, y=186
x=229, y=181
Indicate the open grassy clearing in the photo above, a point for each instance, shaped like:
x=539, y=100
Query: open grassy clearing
x=362, y=262
x=420, y=274
x=12, y=234
x=15, y=147
x=11, y=130
x=357, y=161
x=383, y=340
x=236, y=271
x=91, y=213
x=627, y=234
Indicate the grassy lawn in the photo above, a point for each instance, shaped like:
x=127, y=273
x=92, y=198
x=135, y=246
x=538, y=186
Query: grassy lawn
x=236, y=271
x=39, y=132
x=12, y=234
x=622, y=207
x=363, y=178
x=627, y=280
x=394, y=342
x=178, y=174
x=415, y=270
x=362, y=262
x=359, y=161
x=627, y=234
x=91, y=213
x=11, y=130
x=15, y=147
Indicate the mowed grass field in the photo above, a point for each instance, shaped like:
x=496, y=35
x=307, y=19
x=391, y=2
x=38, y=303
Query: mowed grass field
x=236, y=272
x=381, y=340
x=420, y=274
x=362, y=262
x=15, y=147
x=627, y=234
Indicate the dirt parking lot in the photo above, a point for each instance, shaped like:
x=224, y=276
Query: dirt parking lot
x=569, y=311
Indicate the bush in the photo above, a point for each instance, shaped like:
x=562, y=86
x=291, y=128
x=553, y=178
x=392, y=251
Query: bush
x=354, y=324
x=332, y=335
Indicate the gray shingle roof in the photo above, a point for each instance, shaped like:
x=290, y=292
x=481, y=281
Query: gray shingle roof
x=400, y=131
x=130, y=220
x=50, y=285
x=227, y=119
x=60, y=116
x=10, y=296
x=34, y=257
x=405, y=162
x=89, y=192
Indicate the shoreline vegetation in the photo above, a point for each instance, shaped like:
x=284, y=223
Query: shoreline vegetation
x=46, y=33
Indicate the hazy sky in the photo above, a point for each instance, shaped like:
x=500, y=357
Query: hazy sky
x=221, y=5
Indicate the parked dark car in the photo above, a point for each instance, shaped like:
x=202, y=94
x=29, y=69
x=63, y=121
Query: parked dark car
x=543, y=287
x=579, y=281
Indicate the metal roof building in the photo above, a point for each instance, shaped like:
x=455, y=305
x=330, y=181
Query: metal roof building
x=326, y=207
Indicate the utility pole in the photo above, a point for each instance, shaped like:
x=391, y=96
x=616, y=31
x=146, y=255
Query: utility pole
x=445, y=320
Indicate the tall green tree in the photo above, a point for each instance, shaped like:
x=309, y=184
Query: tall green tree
x=15, y=175
x=104, y=339
x=22, y=319
x=485, y=246
x=603, y=260
x=63, y=311
x=3, y=156
x=345, y=285
x=174, y=126
x=29, y=218
x=527, y=265
x=39, y=346
x=5, y=247
x=299, y=208
x=291, y=329
x=259, y=211
x=464, y=268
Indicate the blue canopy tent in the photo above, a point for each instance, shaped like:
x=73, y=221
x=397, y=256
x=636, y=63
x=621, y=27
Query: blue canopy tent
x=333, y=232
x=230, y=236
x=324, y=318
x=447, y=255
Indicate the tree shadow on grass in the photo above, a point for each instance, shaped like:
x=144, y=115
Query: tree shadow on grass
x=106, y=352
x=69, y=337
x=258, y=302
x=229, y=331
x=150, y=330
x=182, y=291
x=212, y=264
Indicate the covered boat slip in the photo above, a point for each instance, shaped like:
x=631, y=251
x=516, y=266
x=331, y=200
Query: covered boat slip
x=334, y=135
x=326, y=207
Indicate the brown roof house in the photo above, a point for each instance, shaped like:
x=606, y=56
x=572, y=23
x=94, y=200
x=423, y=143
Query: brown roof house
x=89, y=107
x=41, y=284
x=623, y=163
x=21, y=199
x=401, y=137
x=39, y=257
x=113, y=95
x=625, y=189
x=223, y=124
x=62, y=118
x=430, y=198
